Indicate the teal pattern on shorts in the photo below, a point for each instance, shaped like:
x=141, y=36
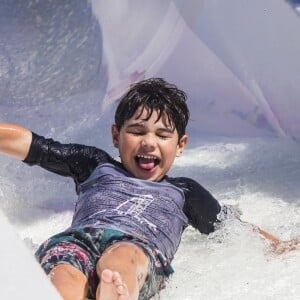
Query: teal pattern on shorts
x=82, y=247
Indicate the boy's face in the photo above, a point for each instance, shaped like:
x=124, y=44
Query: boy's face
x=148, y=148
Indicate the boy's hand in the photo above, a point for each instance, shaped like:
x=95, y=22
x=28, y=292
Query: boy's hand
x=280, y=247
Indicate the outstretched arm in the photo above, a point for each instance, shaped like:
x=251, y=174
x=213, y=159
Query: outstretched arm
x=14, y=140
x=278, y=246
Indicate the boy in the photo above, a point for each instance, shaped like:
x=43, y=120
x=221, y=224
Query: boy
x=129, y=216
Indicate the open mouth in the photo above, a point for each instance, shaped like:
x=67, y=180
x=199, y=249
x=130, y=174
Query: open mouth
x=147, y=162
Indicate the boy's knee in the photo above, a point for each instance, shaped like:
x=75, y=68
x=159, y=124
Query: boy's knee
x=70, y=282
x=67, y=272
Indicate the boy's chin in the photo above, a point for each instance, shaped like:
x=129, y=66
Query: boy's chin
x=152, y=175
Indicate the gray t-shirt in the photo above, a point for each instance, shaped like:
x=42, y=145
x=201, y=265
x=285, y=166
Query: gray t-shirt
x=111, y=198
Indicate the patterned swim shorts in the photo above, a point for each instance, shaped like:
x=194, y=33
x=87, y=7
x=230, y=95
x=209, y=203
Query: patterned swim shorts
x=82, y=247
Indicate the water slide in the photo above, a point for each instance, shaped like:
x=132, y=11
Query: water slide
x=64, y=64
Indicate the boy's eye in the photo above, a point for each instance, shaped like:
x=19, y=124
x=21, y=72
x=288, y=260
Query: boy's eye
x=136, y=132
x=163, y=137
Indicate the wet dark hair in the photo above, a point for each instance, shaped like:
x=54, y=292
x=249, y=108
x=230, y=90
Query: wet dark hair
x=154, y=94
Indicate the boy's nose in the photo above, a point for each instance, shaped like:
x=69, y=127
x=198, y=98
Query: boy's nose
x=148, y=143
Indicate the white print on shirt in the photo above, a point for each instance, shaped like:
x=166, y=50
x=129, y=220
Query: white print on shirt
x=135, y=206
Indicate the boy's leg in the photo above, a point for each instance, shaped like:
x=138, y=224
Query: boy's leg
x=70, y=282
x=122, y=269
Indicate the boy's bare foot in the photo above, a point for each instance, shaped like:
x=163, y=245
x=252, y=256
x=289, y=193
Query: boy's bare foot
x=112, y=286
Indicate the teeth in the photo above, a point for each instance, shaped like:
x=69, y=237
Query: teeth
x=147, y=157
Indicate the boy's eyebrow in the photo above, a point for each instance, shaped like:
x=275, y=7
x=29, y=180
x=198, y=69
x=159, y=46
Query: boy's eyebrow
x=137, y=124
x=167, y=129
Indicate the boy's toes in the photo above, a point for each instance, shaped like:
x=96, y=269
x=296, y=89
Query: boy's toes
x=112, y=286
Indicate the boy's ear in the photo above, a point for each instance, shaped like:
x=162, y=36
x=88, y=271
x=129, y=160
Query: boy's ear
x=181, y=145
x=115, y=133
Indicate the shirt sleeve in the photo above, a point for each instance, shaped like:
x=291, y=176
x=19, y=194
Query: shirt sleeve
x=72, y=160
x=200, y=206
